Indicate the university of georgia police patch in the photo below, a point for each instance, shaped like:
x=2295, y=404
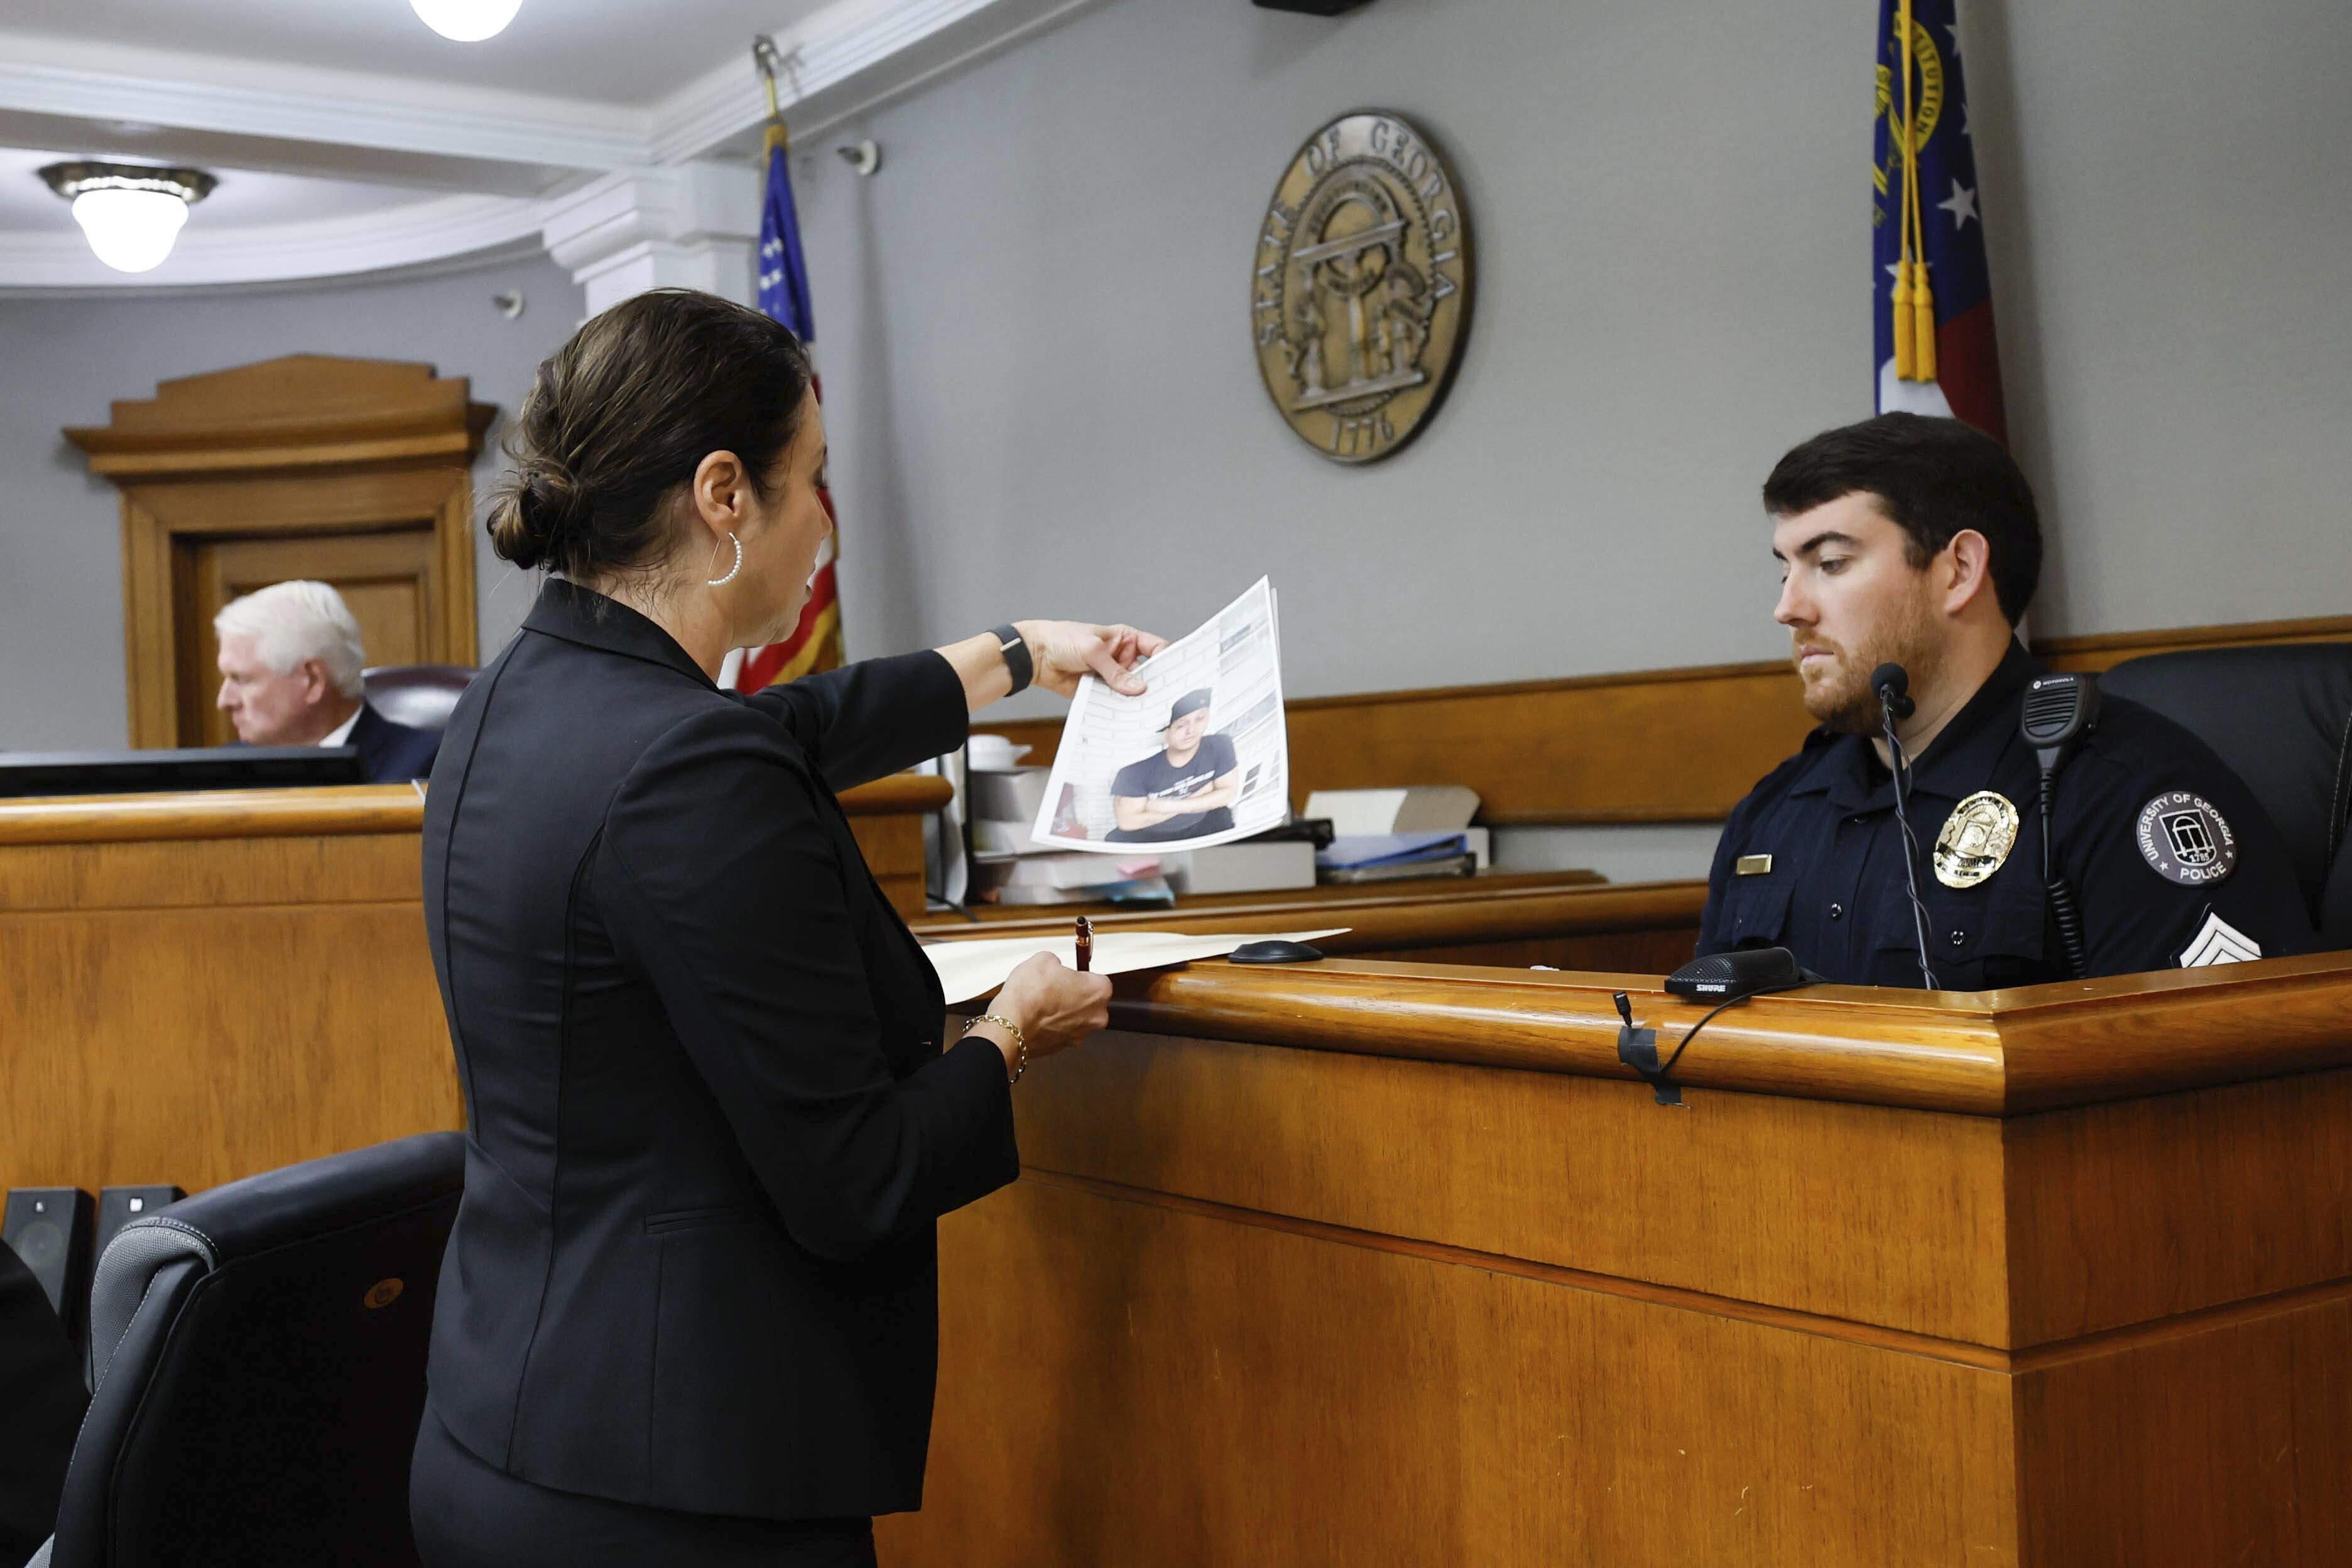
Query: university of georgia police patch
x=2184, y=839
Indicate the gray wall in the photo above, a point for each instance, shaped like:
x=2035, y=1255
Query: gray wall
x=62, y=362
x=1043, y=398
x=1043, y=401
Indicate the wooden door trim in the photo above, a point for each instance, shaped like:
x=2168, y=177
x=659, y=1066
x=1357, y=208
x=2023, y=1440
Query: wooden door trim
x=361, y=442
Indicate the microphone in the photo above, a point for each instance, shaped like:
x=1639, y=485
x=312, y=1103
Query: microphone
x=2060, y=709
x=1891, y=684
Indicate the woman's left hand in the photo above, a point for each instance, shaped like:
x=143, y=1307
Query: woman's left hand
x=1063, y=651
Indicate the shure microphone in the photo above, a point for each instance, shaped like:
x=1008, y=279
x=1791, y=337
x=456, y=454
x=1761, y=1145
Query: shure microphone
x=1891, y=684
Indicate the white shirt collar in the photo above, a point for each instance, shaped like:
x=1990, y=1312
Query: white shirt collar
x=341, y=735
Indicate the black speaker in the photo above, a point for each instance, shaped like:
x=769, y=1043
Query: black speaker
x=1312, y=7
x=117, y=1206
x=49, y=1229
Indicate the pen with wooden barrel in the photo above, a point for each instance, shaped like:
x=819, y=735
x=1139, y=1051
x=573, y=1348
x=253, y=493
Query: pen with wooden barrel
x=1085, y=944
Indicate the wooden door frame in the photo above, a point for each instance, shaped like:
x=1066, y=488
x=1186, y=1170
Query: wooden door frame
x=356, y=443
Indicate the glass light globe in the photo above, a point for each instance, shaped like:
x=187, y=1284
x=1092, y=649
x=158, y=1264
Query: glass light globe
x=466, y=21
x=131, y=231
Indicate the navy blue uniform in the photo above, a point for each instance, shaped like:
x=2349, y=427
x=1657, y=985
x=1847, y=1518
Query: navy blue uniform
x=2171, y=861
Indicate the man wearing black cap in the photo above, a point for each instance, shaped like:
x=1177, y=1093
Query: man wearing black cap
x=1187, y=790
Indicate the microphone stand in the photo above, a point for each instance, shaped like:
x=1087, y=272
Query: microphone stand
x=1892, y=701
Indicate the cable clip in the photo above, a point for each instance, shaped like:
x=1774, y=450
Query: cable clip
x=1638, y=1049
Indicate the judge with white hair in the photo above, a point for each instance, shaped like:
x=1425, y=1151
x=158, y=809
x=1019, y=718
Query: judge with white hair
x=291, y=656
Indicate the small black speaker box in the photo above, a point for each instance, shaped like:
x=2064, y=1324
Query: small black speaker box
x=49, y=1229
x=117, y=1206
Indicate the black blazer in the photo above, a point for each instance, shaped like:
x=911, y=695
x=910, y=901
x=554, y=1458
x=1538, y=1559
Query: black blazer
x=710, y=1120
x=390, y=753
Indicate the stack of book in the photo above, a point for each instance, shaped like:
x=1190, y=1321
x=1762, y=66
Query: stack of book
x=1009, y=867
x=1391, y=835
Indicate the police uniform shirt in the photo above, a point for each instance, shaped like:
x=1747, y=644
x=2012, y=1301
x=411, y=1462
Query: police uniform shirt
x=1155, y=778
x=2171, y=861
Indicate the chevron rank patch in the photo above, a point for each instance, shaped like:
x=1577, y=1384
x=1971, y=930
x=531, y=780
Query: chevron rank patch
x=2218, y=941
x=2184, y=839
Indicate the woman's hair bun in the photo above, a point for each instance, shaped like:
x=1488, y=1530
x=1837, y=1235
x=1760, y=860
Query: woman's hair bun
x=542, y=505
x=617, y=419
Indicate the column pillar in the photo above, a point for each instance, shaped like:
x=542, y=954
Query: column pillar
x=693, y=226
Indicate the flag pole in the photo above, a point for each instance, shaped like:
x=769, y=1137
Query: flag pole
x=767, y=59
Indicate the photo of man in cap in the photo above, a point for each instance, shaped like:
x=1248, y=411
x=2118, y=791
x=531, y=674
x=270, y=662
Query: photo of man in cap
x=1183, y=791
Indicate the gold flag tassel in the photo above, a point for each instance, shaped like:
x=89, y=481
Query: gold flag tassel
x=1914, y=300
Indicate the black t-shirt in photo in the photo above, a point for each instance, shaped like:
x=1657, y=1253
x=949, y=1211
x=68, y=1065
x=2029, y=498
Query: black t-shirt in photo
x=1157, y=778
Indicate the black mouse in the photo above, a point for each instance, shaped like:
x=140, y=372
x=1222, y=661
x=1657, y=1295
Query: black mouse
x=1275, y=950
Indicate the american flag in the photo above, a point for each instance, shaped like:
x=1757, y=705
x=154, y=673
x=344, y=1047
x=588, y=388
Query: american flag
x=1932, y=291
x=815, y=643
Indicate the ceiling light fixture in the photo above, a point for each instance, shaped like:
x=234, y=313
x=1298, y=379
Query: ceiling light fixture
x=466, y=21
x=130, y=213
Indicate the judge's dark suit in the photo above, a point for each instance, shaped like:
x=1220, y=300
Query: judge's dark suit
x=391, y=753
x=710, y=1121
x=41, y=1405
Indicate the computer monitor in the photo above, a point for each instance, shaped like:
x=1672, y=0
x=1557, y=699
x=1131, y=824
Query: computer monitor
x=197, y=767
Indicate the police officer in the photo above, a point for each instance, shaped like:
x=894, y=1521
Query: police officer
x=1915, y=541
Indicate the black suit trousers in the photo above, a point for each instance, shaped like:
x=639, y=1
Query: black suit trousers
x=468, y=1515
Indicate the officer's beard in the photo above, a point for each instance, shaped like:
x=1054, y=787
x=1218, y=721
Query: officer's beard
x=1842, y=698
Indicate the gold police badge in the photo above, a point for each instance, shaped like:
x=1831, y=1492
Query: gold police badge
x=1362, y=289
x=1976, y=839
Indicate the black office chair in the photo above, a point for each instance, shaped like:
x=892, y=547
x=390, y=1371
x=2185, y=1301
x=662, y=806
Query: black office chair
x=417, y=695
x=2282, y=717
x=257, y=1363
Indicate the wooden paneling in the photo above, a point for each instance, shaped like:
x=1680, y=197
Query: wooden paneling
x=2229, y=1442
x=1399, y=1299
x=1567, y=920
x=1661, y=745
x=356, y=472
x=203, y=986
x=2143, y=1209
x=1155, y=1388
x=1580, y=1173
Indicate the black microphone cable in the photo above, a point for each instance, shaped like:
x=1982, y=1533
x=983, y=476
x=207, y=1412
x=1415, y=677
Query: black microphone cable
x=1890, y=682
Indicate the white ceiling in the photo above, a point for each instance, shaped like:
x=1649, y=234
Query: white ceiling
x=349, y=137
x=629, y=52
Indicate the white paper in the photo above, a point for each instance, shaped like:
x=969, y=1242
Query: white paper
x=975, y=968
x=1236, y=658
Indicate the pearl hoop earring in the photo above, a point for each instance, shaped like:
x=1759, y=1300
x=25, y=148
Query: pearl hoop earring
x=716, y=581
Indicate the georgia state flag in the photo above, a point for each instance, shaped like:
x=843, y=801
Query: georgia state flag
x=1968, y=382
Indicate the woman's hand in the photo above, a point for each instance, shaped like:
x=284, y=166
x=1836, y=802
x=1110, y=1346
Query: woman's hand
x=1055, y=1005
x=1063, y=651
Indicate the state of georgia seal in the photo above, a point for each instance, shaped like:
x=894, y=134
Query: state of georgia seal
x=1362, y=292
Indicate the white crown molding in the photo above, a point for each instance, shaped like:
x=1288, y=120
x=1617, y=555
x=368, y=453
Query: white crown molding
x=396, y=239
x=111, y=84
x=851, y=56
x=612, y=191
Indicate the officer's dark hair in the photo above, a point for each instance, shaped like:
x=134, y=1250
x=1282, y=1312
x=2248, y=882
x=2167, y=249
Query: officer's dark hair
x=1933, y=478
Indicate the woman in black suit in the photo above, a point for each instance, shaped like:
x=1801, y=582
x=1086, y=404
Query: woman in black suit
x=689, y=1310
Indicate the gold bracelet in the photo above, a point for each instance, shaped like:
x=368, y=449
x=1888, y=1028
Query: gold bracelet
x=1020, y=1040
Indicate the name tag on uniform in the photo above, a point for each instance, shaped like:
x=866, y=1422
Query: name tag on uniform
x=1752, y=865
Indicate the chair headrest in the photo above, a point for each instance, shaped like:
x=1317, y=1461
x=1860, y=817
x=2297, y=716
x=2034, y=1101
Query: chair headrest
x=2281, y=716
x=263, y=1213
x=420, y=696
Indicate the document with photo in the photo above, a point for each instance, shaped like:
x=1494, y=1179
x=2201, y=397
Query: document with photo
x=1202, y=757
